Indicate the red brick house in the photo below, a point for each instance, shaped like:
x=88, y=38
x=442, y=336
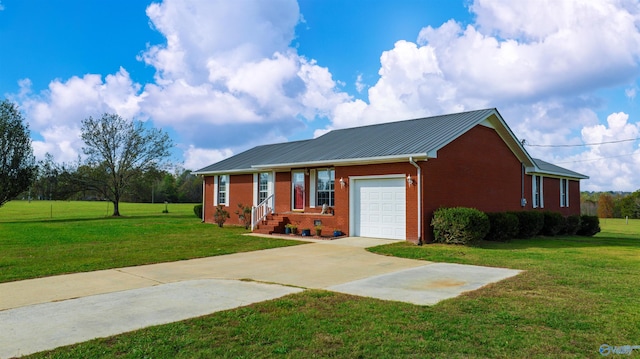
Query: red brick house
x=386, y=180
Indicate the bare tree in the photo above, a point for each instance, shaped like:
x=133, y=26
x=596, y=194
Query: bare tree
x=117, y=150
x=17, y=164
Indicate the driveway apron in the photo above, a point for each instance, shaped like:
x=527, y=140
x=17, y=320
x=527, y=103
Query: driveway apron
x=45, y=313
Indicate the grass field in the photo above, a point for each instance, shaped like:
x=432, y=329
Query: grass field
x=82, y=236
x=575, y=295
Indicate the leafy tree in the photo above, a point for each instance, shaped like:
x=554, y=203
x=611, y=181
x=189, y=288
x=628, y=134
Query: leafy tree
x=605, y=206
x=17, y=164
x=630, y=205
x=189, y=188
x=117, y=150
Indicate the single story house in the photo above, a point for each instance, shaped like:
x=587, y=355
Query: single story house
x=386, y=180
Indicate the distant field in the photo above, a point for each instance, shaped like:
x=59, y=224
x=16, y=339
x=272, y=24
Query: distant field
x=15, y=211
x=620, y=227
x=45, y=238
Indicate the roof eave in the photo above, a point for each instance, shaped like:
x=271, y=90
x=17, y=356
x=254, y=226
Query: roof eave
x=344, y=162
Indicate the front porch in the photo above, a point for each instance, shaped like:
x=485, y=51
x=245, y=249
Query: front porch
x=276, y=223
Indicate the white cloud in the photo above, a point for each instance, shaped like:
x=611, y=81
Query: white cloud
x=617, y=160
x=226, y=79
x=228, y=68
x=197, y=158
x=360, y=85
x=56, y=113
x=540, y=63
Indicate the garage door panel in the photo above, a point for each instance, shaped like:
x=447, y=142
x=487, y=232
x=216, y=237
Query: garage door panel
x=380, y=208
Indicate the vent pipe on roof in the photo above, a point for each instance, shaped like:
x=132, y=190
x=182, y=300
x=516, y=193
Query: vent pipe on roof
x=419, y=176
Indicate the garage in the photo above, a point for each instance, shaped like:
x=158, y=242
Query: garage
x=379, y=208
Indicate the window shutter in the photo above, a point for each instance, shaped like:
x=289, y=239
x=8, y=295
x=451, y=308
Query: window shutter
x=312, y=188
x=215, y=190
x=255, y=189
x=541, y=192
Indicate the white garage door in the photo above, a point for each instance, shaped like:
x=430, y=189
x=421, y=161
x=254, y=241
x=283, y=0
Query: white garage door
x=380, y=207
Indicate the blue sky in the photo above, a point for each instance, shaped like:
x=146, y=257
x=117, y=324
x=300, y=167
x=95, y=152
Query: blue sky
x=224, y=76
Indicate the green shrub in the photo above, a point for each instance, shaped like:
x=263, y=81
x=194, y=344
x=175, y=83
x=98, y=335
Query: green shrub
x=503, y=226
x=553, y=223
x=589, y=226
x=244, y=215
x=529, y=223
x=221, y=215
x=197, y=209
x=459, y=225
x=572, y=224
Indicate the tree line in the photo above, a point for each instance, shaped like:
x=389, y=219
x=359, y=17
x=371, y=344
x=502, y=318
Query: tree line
x=63, y=181
x=611, y=204
x=124, y=160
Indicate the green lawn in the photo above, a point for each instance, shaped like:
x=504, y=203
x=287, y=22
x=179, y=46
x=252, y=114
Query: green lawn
x=576, y=294
x=82, y=237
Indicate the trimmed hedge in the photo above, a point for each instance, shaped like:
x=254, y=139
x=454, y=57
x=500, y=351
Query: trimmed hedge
x=589, y=226
x=572, y=224
x=530, y=223
x=459, y=225
x=553, y=223
x=503, y=226
x=197, y=210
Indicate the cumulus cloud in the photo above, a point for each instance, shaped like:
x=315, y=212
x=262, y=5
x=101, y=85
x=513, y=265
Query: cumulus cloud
x=56, y=113
x=614, y=149
x=540, y=63
x=228, y=68
x=226, y=79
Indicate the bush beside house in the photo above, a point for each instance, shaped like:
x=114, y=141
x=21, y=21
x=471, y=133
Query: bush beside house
x=503, y=226
x=459, y=225
x=467, y=225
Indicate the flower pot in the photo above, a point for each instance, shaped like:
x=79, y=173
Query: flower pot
x=306, y=232
x=287, y=230
x=337, y=233
x=318, y=232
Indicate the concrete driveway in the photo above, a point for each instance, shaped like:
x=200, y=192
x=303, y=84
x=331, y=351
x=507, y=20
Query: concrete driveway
x=46, y=313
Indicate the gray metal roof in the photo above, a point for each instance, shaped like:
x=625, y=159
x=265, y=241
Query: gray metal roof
x=544, y=167
x=420, y=138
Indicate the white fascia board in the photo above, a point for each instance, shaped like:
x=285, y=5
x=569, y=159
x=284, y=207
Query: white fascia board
x=228, y=172
x=344, y=162
x=539, y=172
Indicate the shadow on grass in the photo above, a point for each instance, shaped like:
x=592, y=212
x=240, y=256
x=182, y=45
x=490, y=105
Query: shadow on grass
x=561, y=242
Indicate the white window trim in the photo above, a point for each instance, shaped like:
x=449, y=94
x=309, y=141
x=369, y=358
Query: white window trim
x=216, y=188
x=315, y=184
x=256, y=186
x=533, y=191
x=293, y=193
x=564, y=189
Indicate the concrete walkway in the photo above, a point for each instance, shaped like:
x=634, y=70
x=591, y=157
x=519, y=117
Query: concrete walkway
x=46, y=313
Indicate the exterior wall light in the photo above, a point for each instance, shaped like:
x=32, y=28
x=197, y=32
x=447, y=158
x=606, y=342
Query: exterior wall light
x=410, y=181
x=343, y=184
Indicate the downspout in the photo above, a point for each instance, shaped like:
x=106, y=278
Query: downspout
x=419, y=199
x=203, y=198
x=523, y=200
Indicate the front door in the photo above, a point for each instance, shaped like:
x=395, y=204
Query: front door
x=297, y=183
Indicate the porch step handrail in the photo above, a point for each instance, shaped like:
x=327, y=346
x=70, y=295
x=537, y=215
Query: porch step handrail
x=259, y=212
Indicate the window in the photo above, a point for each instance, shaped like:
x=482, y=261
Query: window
x=263, y=186
x=223, y=190
x=564, y=192
x=538, y=196
x=326, y=179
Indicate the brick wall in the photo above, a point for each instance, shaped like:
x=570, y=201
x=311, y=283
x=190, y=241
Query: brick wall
x=476, y=170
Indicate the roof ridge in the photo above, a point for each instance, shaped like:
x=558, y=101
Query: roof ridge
x=410, y=120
